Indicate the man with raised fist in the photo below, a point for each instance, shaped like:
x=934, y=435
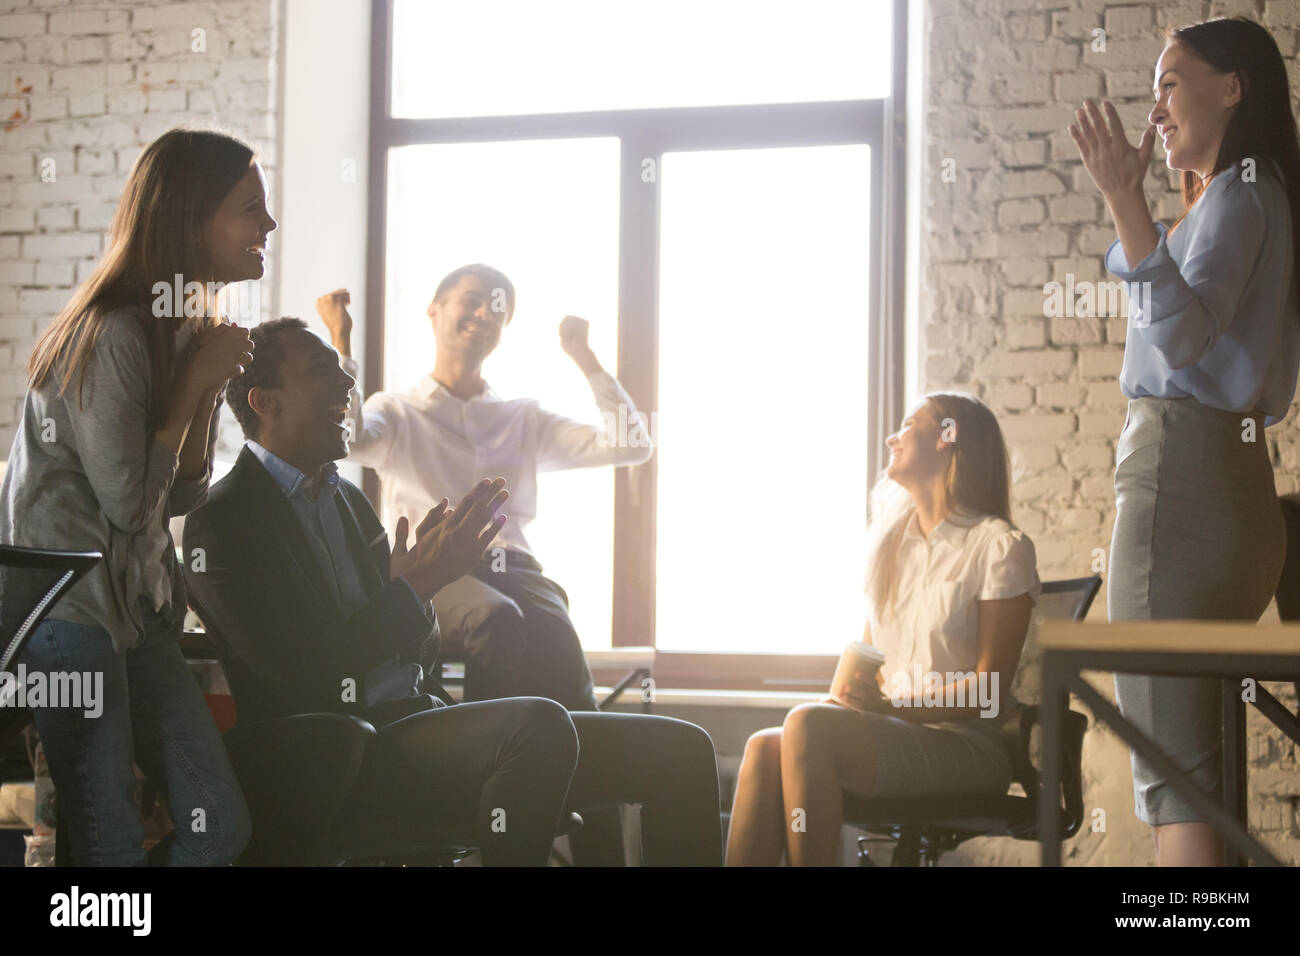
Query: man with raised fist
x=436, y=440
x=313, y=612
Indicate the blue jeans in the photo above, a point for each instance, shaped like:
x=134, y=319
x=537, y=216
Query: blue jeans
x=153, y=714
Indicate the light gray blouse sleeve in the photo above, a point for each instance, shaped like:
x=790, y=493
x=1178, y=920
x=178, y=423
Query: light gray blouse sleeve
x=1184, y=310
x=130, y=472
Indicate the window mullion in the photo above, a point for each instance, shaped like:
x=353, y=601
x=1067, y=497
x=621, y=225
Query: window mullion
x=638, y=370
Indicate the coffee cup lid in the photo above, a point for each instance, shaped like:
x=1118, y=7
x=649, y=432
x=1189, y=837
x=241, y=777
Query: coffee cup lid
x=868, y=651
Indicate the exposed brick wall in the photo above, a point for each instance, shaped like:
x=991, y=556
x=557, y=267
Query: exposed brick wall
x=86, y=85
x=83, y=88
x=1015, y=211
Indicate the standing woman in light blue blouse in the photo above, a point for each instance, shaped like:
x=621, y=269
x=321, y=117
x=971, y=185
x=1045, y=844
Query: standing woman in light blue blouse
x=1210, y=360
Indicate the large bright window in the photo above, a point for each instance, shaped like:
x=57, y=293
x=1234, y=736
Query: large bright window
x=763, y=391
x=708, y=184
x=512, y=57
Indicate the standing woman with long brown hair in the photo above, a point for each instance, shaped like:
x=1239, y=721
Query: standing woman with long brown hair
x=116, y=438
x=1210, y=360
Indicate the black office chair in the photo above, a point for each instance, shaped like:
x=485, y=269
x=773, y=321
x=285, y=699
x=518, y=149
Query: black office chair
x=296, y=774
x=299, y=776
x=922, y=829
x=31, y=582
x=360, y=842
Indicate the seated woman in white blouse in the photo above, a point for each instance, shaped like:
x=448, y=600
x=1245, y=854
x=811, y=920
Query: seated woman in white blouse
x=951, y=584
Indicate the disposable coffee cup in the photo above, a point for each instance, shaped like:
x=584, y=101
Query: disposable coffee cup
x=854, y=684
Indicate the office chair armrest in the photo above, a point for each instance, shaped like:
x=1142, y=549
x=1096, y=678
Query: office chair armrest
x=296, y=773
x=1017, y=725
x=1017, y=732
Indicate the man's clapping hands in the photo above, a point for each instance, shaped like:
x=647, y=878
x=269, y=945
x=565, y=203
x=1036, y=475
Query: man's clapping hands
x=449, y=543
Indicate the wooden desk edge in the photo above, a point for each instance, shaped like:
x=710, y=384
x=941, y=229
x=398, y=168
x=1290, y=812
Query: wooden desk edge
x=1187, y=637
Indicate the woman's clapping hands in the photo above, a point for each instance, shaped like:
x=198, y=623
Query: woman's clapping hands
x=1116, y=167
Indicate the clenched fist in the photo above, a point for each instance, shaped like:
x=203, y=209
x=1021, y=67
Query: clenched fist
x=220, y=353
x=332, y=307
x=573, y=339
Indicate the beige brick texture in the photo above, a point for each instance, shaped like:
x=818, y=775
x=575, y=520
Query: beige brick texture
x=1003, y=80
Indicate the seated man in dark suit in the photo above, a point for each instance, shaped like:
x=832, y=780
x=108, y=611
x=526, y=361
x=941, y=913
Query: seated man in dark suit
x=291, y=571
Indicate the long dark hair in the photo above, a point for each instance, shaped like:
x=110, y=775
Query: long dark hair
x=1262, y=125
x=173, y=189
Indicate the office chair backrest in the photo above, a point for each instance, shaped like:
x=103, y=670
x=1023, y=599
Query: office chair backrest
x=1070, y=599
x=31, y=582
x=1061, y=600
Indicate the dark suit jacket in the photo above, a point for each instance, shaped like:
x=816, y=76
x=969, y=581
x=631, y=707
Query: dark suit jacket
x=286, y=645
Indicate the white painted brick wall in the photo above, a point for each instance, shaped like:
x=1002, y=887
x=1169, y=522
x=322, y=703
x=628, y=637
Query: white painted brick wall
x=85, y=86
x=1004, y=78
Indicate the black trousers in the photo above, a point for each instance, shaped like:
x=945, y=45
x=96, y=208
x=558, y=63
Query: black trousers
x=502, y=771
x=510, y=624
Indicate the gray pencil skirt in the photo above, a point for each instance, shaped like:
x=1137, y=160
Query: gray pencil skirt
x=1198, y=534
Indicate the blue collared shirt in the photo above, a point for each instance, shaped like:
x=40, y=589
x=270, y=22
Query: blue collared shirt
x=1220, y=321
x=318, y=515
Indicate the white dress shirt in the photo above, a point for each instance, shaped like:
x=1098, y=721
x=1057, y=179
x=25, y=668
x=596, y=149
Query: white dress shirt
x=427, y=445
x=934, y=625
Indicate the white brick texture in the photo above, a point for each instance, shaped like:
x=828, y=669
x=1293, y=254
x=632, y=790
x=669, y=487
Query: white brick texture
x=1003, y=80
x=85, y=88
